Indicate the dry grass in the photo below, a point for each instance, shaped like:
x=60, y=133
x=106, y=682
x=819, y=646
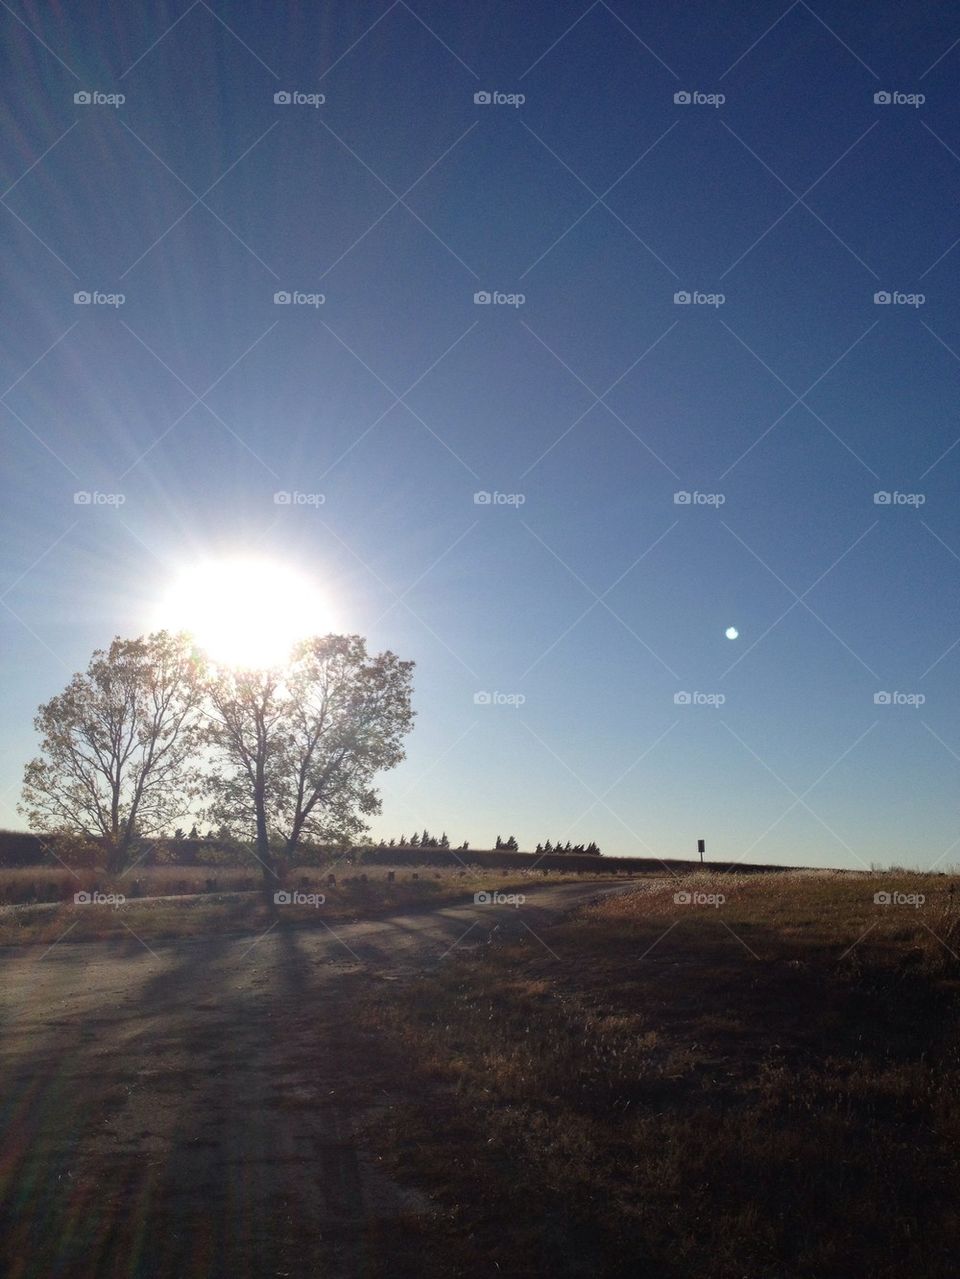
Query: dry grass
x=234, y=903
x=767, y=1087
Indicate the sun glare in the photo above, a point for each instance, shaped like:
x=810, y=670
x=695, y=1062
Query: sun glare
x=244, y=611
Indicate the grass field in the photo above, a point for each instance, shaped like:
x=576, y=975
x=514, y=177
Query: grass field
x=762, y=1087
x=199, y=902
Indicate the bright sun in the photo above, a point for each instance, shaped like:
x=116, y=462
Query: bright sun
x=244, y=611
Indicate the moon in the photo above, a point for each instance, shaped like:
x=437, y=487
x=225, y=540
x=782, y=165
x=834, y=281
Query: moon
x=731, y=632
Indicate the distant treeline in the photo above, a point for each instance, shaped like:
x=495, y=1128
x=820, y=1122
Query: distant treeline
x=20, y=848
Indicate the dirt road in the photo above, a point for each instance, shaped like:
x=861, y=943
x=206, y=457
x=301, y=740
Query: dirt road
x=192, y=1108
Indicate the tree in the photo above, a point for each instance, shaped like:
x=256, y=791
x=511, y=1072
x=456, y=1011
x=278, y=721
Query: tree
x=444, y=841
x=116, y=744
x=297, y=749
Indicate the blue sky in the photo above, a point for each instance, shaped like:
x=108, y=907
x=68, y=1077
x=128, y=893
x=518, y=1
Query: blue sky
x=599, y=598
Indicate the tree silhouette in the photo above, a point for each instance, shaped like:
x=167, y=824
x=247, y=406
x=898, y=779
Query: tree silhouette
x=116, y=746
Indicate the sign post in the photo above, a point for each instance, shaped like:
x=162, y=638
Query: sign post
x=701, y=848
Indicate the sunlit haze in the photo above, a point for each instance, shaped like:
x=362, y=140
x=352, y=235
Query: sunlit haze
x=244, y=612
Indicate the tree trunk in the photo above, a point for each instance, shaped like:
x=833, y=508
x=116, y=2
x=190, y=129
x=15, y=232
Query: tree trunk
x=264, y=853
